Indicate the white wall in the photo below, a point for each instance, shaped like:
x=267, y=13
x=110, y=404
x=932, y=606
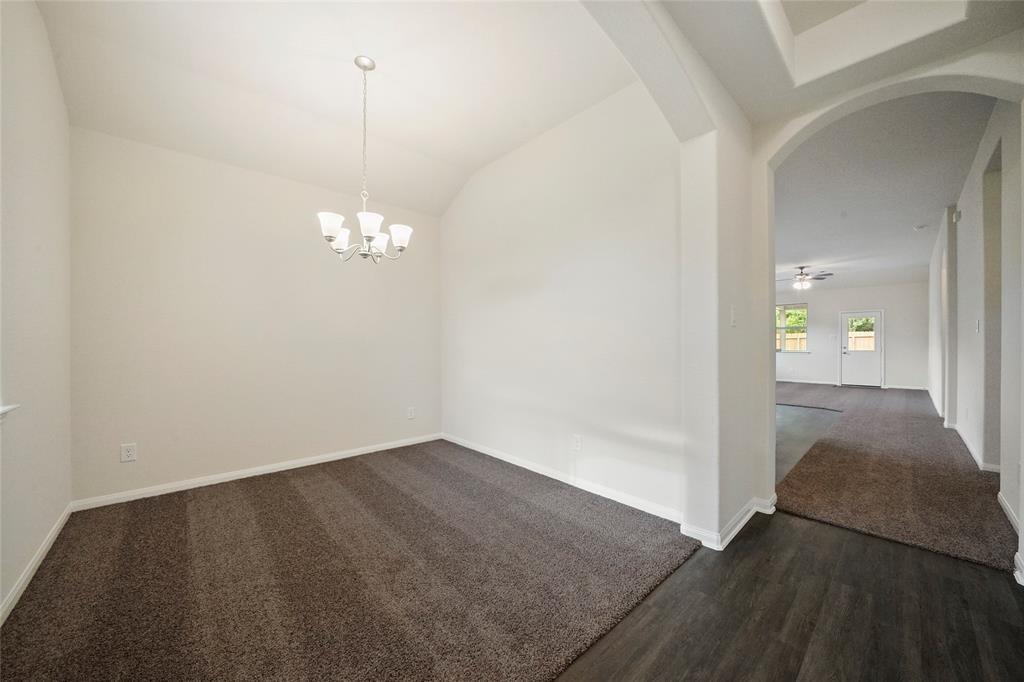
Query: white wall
x=938, y=317
x=213, y=326
x=560, y=285
x=36, y=469
x=905, y=309
x=984, y=296
x=723, y=476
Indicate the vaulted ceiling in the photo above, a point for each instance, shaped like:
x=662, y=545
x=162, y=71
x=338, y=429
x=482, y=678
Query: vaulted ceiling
x=271, y=86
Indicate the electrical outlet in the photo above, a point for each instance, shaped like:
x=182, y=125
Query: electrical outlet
x=129, y=452
x=577, y=442
x=410, y=413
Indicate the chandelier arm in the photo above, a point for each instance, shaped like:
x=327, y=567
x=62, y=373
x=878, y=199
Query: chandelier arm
x=347, y=252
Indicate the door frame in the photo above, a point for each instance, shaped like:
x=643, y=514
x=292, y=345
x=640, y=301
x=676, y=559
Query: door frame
x=879, y=338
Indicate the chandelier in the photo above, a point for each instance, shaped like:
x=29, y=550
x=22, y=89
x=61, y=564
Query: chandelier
x=373, y=244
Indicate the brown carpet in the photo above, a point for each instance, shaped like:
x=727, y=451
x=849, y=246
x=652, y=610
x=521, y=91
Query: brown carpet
x=889, y=468
x=424, y=562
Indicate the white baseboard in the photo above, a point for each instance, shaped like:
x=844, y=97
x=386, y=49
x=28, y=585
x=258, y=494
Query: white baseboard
x=907, y=388
x=26, y=576
x=175, y=486
x=719, y=541
x=1018, y=564
x=970, y=448
x=937, y=404
x=1014, y=521
x=976, y=454
x=710, y=539
x=805, y=381
x=584, y=484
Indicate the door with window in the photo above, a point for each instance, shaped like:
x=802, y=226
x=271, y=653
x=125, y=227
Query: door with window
x=861, y=343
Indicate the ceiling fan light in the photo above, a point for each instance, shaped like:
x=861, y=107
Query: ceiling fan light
x=330, y=224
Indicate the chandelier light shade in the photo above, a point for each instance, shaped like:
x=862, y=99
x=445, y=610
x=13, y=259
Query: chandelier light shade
x=369, y=223
x=400, y=235
x=330, y=224
x=373, y=243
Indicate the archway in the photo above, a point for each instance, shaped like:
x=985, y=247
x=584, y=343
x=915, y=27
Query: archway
x=778, y=142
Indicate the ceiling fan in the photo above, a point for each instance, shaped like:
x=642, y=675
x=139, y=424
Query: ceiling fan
x=802, y=279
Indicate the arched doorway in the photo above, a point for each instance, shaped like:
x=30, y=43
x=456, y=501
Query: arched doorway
x=777, y=143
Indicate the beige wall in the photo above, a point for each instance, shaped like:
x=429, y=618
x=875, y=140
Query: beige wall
x=213, y=327
x=985, y=296
x=35, y=466
x=905, y=307
x=561, y=304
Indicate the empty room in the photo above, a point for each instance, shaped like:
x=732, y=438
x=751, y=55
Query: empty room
x=586, y=340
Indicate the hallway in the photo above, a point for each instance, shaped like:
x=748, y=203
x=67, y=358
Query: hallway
x=888, y=467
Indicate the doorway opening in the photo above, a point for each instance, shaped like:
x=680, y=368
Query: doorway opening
x=862, y=348
x=895, y=208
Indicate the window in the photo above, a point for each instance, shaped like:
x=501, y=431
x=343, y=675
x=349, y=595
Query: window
x=860, y=334
x=791, y=328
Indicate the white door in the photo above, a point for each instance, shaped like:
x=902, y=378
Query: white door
x=860, y=336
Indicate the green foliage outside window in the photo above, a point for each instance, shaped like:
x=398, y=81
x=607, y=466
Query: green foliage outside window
x=862, y=324
x=791, y=327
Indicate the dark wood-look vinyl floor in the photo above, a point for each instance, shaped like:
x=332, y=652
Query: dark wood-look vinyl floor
x=795, y=599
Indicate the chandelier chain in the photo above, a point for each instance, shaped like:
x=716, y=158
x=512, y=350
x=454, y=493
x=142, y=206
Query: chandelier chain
x=364, y=194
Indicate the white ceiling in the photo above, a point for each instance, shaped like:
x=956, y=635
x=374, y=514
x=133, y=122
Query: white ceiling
x=775, y=69
x=271, y=86
x=847, y=200
x=805, y=14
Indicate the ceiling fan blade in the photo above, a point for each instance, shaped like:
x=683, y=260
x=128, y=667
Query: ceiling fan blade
x=824, y=274
x=818, y=278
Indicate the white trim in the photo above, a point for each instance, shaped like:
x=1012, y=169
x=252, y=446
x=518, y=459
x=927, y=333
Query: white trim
x=1009, y=512
x=719, y=541
x=4, y=409
x=1018, y=563
x=879, y=338
x=935, y=404
x=710, y=539
x=805, y=381
x=163, y=488
x=909, y=388
x=994, y=468
x=590, y=486
x=26, y=576
x=970, y=448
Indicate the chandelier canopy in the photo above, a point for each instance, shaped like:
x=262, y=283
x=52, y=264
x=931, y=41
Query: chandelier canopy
x=373, y=244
